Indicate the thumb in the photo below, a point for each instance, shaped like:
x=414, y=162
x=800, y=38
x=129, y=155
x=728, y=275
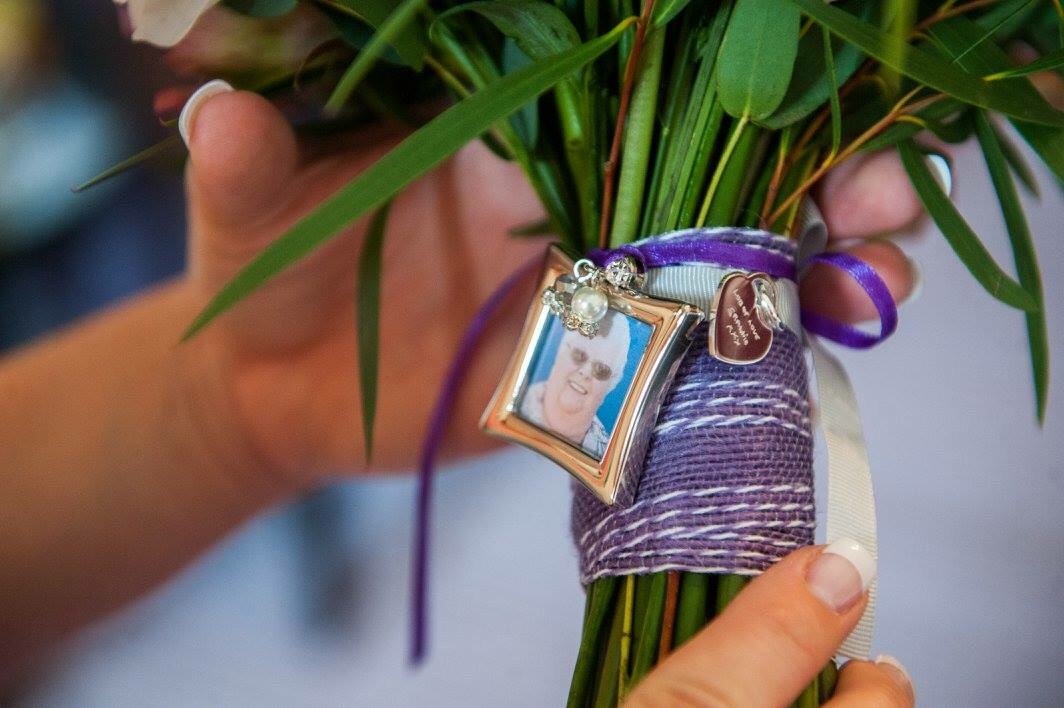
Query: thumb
x=242, y=152
x=774, y=638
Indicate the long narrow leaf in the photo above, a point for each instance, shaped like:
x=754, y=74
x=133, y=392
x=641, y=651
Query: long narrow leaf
x=959, y=235
x=1023, y=253
x=954, y=37
x=368, y=306
x=1017, y=162
x=396, y=23
x=410, y=46
x=419, y=153
x=1045, y=63
x=836, y=106
x=162, y=147
x=929, y=69
x=540, y=30
x=811, y=82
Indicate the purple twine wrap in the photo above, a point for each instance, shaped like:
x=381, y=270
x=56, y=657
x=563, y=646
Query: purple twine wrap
x=727, y=482
x=727, y=486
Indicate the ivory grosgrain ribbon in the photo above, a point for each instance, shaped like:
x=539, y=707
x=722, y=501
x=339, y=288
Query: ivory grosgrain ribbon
x=715, y=252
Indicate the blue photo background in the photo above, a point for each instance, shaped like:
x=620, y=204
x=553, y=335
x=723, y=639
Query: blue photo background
x=611, y=405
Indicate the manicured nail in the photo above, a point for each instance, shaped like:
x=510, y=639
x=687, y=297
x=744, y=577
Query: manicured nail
x=897, y=672
x=918, y=281
x=941, y=170
x=188, y=112
x=841, y=574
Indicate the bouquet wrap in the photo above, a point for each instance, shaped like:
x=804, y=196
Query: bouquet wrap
x=727, y=484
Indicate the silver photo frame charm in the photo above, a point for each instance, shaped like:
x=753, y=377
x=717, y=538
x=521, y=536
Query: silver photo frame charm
x=594, y=362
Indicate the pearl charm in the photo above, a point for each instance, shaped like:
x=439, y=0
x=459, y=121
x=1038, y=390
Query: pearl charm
x=590, y=304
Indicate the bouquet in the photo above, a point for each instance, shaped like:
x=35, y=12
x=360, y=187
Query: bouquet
x=674, y=146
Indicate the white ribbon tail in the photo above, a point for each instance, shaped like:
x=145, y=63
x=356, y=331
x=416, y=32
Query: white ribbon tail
x=851, y=502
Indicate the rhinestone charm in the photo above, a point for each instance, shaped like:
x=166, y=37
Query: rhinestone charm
x=581, y=306
x=624, y=273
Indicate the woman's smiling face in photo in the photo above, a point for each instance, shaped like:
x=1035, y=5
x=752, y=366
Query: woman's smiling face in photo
x=585, y=371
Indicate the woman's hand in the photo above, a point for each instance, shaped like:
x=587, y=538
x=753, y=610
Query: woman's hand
x=287, y=354
x=776, y=636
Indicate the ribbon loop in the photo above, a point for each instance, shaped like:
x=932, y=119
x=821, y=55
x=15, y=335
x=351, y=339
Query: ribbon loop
x=877, y=291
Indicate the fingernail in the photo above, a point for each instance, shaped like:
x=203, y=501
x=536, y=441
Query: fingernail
x=841, y=574
x=188, y=112
x=918, y=281
x=897, y=672
x=941, y=170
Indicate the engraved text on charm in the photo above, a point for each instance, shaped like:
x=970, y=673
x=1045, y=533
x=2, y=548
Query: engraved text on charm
x=742, y=318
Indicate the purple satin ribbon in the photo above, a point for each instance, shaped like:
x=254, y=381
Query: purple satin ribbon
x=430, y=449
x=658, y=254
x=650, y=254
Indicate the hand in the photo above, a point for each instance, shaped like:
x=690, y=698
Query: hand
x=286, y=356
x=774, y=639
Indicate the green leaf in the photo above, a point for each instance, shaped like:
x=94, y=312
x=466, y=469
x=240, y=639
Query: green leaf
x=897, y=19
x=1017, y=163
x=540, y=30
x=164, y=146
x=525, y=121
x=928, y=69
x=368, y=307
x=1045, y=63
x=1023, y=253
x=945, y=118
x=419, y=153
x=1007, y=17
x=757, y=57
x=532, y=229
x=410, y=46
x=666, y=10
x=391, y=28
x=262, y=8
x=811, y=83
x=959, y=235
x=954, y=37
x=836, y=106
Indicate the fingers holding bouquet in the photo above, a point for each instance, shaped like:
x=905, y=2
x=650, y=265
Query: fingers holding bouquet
x=777, y=634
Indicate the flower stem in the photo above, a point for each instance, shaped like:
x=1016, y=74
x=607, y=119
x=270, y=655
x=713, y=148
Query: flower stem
x=600, y=602
x=639, y=133
x=668, y=614
x=610, y=168
x=692, y=605
x=626, y=637
x=718, y=173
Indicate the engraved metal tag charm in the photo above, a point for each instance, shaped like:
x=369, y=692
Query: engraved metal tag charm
x=594, y=363
x=742, y=318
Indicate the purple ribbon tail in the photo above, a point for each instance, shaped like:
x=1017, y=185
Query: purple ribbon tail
x=873, y=285
x=430, y=449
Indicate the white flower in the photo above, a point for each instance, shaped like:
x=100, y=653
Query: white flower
x=164, y=22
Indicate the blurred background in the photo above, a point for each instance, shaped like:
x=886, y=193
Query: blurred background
x=308, y=606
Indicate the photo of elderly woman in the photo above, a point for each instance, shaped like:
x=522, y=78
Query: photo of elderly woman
x=578, y=384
